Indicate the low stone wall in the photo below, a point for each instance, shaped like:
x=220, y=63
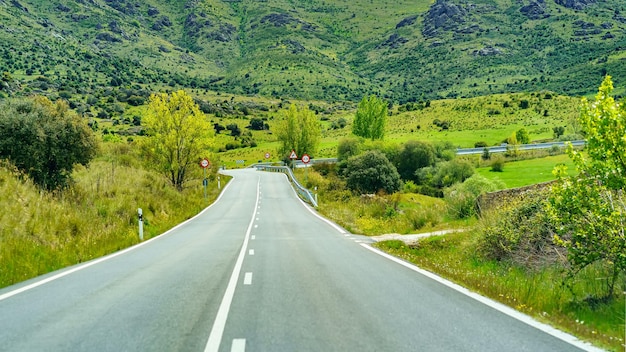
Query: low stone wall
x=490, y=200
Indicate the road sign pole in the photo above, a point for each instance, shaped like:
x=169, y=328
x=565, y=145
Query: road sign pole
x=204, y=183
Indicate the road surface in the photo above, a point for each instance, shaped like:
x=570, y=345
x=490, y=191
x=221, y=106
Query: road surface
x=258, y=271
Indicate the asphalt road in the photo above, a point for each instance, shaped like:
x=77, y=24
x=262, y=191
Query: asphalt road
x=259, y=271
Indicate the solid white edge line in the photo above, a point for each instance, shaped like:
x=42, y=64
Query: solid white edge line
x=572, y=340
x=217, y=331
x=107, y=257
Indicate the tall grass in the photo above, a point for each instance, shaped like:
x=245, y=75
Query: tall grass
x=41, y=232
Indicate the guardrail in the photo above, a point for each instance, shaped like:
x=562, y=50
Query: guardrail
x=503, y=148
x=302, y=192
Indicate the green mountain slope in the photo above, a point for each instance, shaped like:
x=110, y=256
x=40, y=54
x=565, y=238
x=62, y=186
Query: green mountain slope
x=404, y=50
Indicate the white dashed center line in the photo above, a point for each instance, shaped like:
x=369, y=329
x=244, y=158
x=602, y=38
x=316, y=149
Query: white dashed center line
x=239, y=345
x=247, y=279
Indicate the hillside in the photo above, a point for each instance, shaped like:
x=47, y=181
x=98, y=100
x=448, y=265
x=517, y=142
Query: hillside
x=405, y=50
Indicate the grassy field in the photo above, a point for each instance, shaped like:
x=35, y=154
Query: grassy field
x=527, y=172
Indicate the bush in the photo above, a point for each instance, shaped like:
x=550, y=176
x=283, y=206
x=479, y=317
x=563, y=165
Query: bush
x=44, y=140
x=234, y=129
x=497, y=163
x=414, y=155
x=371, y=172
x=480, y=144
x=256, y=124
x=520, y=231
x=348, y=147
x=486, y=155
x=462, y=197
x=450, y=172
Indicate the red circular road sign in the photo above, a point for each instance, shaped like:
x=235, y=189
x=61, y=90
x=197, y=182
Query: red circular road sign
x=205, y=163
x=306, y=158
x=267, y=155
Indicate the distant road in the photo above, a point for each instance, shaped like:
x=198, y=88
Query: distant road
x=502, y=148
x=468, y=151
x=259, y=271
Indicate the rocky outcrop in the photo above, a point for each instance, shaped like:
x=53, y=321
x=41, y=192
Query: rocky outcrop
x=164, y=21
x=226, y=33
x=575, y=4
x=394, y=41
x=108, y=37
x=294, y=46
x=407, y=21
x=443, y=15
x=487, y=51
x=285, y=19
x=123, y=6
x=19, y=6
x=535, y=10
x=195, y=23
x=63, y=8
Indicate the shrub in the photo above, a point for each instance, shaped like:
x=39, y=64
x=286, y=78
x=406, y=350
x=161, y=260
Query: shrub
x=520, y=231
x=371, y=172
x=234, y=129
x=450, y=172
x=45, y=140
x=414, y=155
x=256, y=124
x=486, y=155
x=480, y=144
x=497, y=163
x=348, y=147
x=461, y=198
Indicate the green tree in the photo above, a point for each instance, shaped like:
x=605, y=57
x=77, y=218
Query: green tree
x=372, y=172
x=589, y=208
x=413, y=156
x=44, y=140
x=347, y=148
x=299, y=130
x=522, y=136
x=179, y=135
x=370, y=119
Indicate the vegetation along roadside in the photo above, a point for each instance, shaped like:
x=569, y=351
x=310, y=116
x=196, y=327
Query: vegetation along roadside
x=556, y=252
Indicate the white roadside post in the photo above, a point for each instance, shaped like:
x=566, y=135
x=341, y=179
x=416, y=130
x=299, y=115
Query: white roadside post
x=140, y=224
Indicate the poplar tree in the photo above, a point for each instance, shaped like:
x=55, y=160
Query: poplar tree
x=370, y=119
x=299, y=130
